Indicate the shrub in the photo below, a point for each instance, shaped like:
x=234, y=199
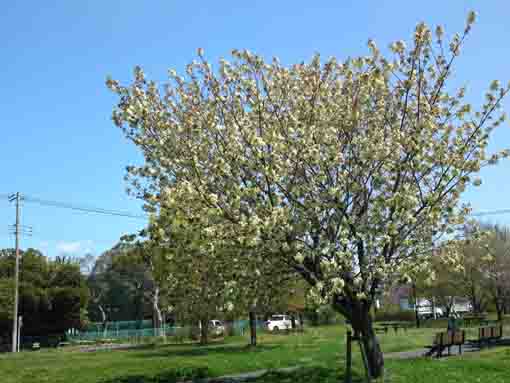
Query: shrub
x=181, y=333
x=393, y=313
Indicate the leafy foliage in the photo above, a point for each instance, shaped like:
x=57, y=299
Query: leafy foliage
x=53, y=293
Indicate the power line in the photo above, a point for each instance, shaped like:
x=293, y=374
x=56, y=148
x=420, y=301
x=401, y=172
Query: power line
x=490, y=212
x=117, y=213
x=83, y=209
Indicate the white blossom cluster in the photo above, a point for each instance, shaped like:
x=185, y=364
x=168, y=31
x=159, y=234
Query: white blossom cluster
x=349, y=171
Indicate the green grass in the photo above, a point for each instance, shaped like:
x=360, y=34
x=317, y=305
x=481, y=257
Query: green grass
x=488, y=366
x=321, y=350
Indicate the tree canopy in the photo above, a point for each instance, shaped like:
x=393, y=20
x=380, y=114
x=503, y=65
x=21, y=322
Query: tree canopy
x=53, y=293
x=350, y=171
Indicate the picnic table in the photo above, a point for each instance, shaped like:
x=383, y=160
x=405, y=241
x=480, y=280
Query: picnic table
x=385, y=326
x=488, y=334
x=473, y=320
x=488, y=322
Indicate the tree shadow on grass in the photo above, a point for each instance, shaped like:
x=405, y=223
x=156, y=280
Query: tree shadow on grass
x=205, y=350
x=171, y=376
x=306, y=375
x=200, y=374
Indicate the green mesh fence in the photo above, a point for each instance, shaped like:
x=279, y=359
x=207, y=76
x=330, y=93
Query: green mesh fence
x=117, y=334
x=139, y=329
x=120, y=325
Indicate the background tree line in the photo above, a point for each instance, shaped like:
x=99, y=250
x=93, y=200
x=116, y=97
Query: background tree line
x=482, y=276
x=53, y=294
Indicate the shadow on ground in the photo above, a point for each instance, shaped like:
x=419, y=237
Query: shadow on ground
x=305, y=375
x=170, y=376
x=209, y=350
x=474, y=346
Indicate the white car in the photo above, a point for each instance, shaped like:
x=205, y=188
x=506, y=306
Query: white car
x=280, y=322
x=427, y=313
x=216, y=326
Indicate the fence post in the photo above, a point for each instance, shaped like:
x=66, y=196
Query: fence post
x=348, y=359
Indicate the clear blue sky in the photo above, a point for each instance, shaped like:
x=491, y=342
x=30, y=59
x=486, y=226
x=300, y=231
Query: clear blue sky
x=57, y=141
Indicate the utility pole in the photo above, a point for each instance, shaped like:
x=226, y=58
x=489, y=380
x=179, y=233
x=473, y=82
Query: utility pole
x=16, y=197
x=20, y=324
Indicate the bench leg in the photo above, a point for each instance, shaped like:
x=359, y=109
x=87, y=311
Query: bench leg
x=460, y=349
x=448, y=350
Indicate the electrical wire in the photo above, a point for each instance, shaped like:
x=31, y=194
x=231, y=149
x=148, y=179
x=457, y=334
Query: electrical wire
x=96, y=210
x=490, y=212
x=83, y=209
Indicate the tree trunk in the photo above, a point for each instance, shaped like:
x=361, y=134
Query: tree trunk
x=375, y=360
x=315, y=318
x=103, y=319
x=358, y=313
x=293, y=322
x=204, y=331
x=157, y=316
x=448, y=308
x=416, y=307
x=499, y=308
x=373, y=350
x=253, y=329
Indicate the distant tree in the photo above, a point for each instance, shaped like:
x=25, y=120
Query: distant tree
x=495, y=266
x=200, y=282
x=6, y=308
x=261, y=287
x=474, y=262
x=150, y=259
x=53, y=293
x=441, y=286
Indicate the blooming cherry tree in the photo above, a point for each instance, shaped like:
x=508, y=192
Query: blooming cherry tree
x=348, y=171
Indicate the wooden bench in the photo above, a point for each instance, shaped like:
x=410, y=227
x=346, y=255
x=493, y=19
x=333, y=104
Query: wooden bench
x=445, y=340
x=36, y=346
x=487, y=334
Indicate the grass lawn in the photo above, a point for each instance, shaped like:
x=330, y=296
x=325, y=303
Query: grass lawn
x=321, y=350
x=486, y=367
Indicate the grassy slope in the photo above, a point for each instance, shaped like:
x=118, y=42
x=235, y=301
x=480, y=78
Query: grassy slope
x=320, y=348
